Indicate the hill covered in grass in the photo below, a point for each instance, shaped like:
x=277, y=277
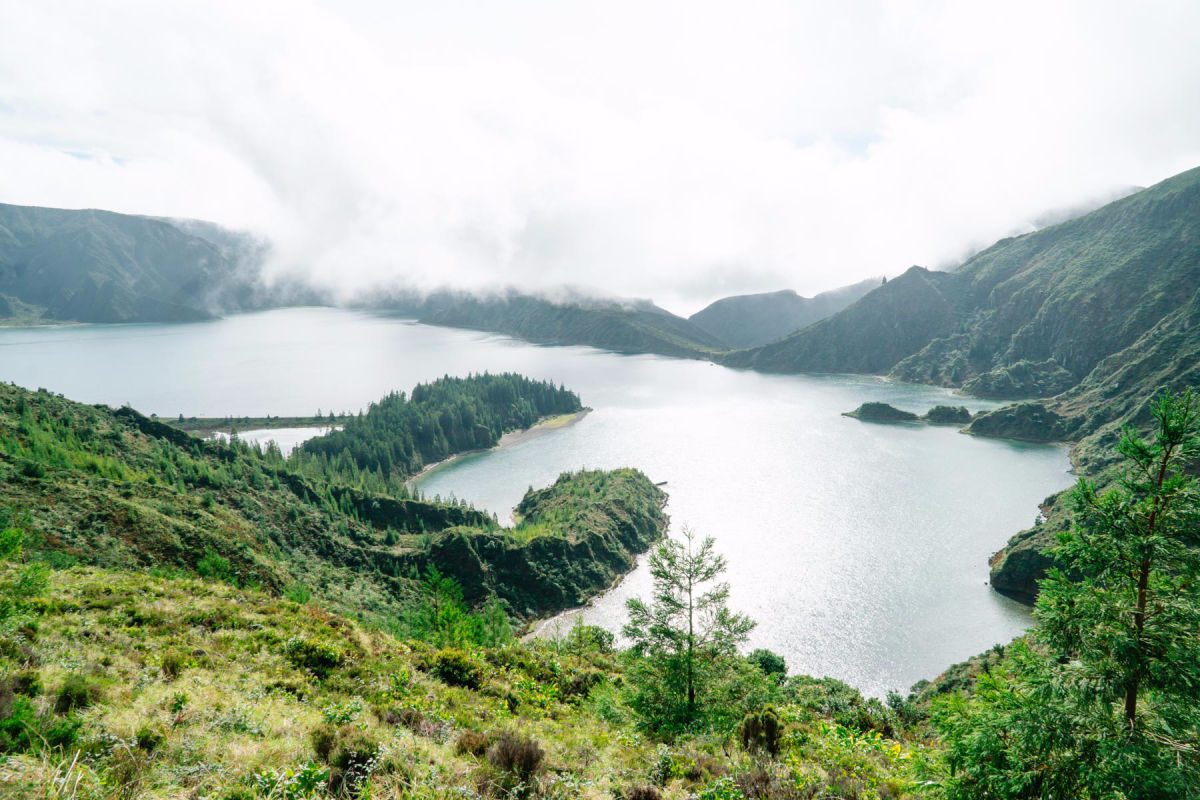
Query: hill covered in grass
x=119, y=490
x=169, y=687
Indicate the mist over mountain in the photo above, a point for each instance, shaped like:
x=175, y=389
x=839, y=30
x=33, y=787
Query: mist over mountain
x=1030, y=316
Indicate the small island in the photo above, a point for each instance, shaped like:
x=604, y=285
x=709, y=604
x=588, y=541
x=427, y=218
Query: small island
x=881, y=412
x=948, y=415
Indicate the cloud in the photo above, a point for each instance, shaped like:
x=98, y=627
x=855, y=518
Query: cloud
x=679, y=150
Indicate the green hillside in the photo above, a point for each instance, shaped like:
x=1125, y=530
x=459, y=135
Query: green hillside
x=1094, y=316
x=1030, y=316
x=141, y=681
x=119, y=490
x=99, y=266
x=633, y=326
x=751, y=320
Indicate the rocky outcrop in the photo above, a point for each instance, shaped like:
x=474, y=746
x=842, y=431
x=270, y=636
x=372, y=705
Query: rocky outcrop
x=881, y=412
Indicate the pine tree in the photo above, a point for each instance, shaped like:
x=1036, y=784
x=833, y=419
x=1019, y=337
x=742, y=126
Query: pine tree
x=687, y=632
x=1105, y=699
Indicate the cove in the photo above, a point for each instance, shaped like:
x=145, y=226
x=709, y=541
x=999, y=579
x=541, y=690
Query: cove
x=860, y=549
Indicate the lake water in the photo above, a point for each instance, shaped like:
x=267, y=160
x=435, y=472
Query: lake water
x=860, y=549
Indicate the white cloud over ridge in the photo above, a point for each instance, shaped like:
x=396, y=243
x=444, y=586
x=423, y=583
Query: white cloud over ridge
x=680, y=150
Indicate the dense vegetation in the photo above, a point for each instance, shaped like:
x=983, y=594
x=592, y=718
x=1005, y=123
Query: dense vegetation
x=399, y=435
x=119, y=490
x=883, y=412
x=155, y=675
x=121, y=684
x=1030, y=316
x=1104, y=699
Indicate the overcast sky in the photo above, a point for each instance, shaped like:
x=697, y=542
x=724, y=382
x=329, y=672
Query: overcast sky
x=680, y=151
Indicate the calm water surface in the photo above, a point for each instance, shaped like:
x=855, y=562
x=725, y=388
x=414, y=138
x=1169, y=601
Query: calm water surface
x=860, y=549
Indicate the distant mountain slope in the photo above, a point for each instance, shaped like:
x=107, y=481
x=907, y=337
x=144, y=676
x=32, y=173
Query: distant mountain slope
x=99, y=266
x=1029, y=316
x=634, y=326
x=750, y=320
x=1096, y=316
x=1114, y=395
x=869, y=336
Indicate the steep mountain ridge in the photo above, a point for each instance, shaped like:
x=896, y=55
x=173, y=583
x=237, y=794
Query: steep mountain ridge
x=101, y=266
x=869, y=336
x=1029, y=316
x=750, y=320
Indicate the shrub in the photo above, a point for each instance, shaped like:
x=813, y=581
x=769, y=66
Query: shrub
x=214, y=566
x=590, y=639
x=319, y=658
x=472, y=743
x=323, y=738
x=760, y=731
x=292, y=784
x=76, y=692
x=517, y=758
x=173, y=663
x=457, y=668
x=149, y=738
x=17, y=723
x=642, y=793
x=27, y=682
x=351, y=754
x=297, y=593
x=724, y=788
x=770, y=663
x=581, y=683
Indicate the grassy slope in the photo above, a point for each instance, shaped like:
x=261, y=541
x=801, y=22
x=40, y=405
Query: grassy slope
x=119, y=490
x=196, y=689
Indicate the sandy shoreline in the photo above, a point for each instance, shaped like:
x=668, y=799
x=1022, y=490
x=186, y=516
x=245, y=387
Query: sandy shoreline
x=539, y=428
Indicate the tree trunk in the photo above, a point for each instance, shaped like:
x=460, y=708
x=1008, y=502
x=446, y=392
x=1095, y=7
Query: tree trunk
x=1143, y=585
x=691, y=656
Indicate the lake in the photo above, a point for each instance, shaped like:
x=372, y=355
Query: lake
x=860, y=549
